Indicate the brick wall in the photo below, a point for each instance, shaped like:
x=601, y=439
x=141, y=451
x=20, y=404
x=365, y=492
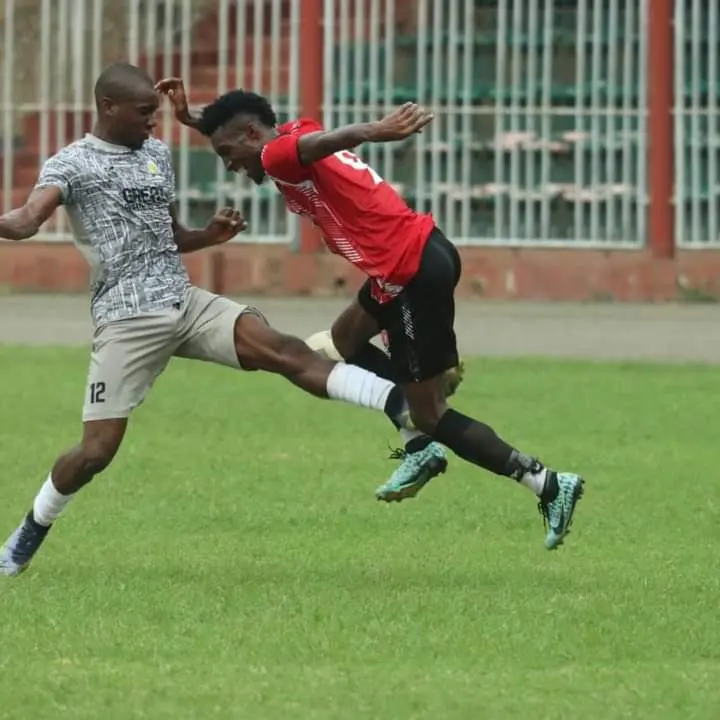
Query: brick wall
x=492, y=273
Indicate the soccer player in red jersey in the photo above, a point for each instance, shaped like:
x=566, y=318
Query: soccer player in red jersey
x=412, y=271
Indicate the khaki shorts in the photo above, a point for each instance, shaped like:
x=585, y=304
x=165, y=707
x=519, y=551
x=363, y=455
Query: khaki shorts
x=129, y=355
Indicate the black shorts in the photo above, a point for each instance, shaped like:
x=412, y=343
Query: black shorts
x=420, y=322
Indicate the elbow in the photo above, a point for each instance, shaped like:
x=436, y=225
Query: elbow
x=24, y=231
x=14, y=227
x=18, y=233
x=30, y=229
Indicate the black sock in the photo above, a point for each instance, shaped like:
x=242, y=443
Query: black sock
x=372, y=358
x=551, y=489
x=479, y=444
x=417, y=443
x=396, y=407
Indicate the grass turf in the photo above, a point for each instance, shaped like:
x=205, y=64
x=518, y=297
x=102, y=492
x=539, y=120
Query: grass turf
x=232, y=563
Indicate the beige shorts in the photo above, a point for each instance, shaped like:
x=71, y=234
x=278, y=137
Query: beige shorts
x=129, y=355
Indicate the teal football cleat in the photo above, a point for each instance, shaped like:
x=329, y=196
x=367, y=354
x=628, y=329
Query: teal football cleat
x=558, y=513
x=415, y=471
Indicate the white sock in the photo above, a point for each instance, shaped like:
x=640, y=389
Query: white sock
x=535, y=481
x=407, y=435
x=49, y=503
x=357, y=386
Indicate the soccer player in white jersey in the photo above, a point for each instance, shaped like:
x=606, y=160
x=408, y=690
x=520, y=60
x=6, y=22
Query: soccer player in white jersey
x=117, y=186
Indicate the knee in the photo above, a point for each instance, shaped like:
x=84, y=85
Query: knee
x=426, y=419
x=347, y=338
x=337, y=344
x=261, y=347
x=289, y=356
x=452, y=378
x=322, y=343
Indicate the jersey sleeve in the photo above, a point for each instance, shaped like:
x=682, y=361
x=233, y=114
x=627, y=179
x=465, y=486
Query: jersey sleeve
x=59, y=171
x=281, y=160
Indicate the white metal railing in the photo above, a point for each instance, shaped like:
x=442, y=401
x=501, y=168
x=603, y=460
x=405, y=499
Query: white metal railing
x=539, y=137
x=697, y=124
x=215, y=45
x=541, y=104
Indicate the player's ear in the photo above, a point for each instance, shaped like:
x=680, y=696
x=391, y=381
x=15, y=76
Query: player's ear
x=108, y=107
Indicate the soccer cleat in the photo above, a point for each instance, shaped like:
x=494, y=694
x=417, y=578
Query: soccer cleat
x=415, y=471
x=558, y=514
x=21, y=546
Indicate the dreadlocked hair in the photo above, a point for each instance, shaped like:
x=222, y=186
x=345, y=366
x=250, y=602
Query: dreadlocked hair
x=232, y=104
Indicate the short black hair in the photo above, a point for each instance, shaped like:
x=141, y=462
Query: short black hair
x=234, y=103
x=119, y=81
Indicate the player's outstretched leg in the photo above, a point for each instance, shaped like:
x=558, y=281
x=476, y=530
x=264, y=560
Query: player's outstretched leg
x=261, y=347
x=558, y=492
x=101, y=440
x=371, y=357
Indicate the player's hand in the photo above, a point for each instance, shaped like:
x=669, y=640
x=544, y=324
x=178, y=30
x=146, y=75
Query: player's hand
x=401, y=123
x=224, y=226
x=175, y=90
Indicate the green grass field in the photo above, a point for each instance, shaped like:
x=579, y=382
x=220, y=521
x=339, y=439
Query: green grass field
x=234, y=564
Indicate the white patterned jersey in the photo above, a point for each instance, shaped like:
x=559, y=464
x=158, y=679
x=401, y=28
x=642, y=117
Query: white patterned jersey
x=118, y=203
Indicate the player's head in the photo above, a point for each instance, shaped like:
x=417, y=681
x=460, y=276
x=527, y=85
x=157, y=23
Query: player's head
x=239, y=124
x=126, y=103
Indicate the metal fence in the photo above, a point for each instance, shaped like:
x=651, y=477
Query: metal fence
x=52, y=50
x=697, y=126
x=541, y=104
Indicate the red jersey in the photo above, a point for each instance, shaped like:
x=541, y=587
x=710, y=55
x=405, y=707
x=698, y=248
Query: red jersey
x=361, y=217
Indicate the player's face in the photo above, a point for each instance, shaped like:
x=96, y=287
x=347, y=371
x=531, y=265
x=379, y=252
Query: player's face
x=240, y=152
x=133, y=121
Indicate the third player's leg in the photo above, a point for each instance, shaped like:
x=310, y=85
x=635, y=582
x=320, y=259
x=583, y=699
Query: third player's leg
x=348, y=340
x=350, y=335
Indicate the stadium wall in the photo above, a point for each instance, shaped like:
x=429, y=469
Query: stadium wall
x=492, y=273
x=585, y=133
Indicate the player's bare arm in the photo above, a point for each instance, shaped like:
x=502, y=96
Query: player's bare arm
x=223, y=226
x=174, y=88
x=24, y=222
x=398, y=125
